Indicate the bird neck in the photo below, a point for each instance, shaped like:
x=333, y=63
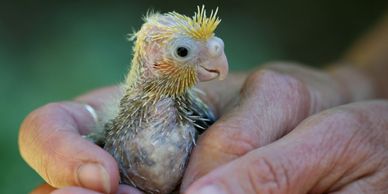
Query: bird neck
x=172, y=81
x=175, y=83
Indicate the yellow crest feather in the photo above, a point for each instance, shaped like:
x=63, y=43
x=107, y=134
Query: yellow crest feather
x=200, y=26
x=207, y=25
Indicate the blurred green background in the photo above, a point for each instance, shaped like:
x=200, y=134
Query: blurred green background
x=56, y=51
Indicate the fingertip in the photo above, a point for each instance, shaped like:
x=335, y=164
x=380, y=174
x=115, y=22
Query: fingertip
x=207, y=189
x=125, y=189
x=204, y=184
x=215, y=148
x=94, y=176
x=101, y=176
x=112, y=170
x=43, y=189
x=196, y=169
x=81, y=163
x=74, y=190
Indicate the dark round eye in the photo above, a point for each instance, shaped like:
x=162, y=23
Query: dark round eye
x=182, y=51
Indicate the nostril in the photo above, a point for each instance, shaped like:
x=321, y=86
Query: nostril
x=215, y=47
x=215, y=50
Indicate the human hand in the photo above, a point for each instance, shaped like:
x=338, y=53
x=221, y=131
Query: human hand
x=341, y=150
x=50, y=141
x=272, y=103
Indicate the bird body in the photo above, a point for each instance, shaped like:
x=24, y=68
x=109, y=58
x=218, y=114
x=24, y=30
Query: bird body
x=155, y=140
x=160, y=114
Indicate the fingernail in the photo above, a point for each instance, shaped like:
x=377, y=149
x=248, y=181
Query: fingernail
x=210, y=189
x=94, y=176
x=92, y=112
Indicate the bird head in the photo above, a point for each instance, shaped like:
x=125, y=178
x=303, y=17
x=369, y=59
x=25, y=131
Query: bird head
x=173, y=52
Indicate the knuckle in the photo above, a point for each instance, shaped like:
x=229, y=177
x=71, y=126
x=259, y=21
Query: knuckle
x=239, y=142
x=274, y=83
x=260, y=77
x=267, y=177
x=285, y=67
x=30, y=128
x=343, y=133
x=342, y=115
x=349, y=121
x=230, y=139
x=284, y=94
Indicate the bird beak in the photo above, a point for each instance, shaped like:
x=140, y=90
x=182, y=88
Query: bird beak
x=216, y=65
x=213, y=69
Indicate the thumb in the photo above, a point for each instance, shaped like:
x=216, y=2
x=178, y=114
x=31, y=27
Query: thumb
x=51, y=143
x=271, y=169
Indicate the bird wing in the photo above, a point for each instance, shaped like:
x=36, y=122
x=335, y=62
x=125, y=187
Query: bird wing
x=201, y=114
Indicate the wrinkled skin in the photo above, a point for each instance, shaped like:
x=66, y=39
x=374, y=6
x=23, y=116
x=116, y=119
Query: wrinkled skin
x=340, y=150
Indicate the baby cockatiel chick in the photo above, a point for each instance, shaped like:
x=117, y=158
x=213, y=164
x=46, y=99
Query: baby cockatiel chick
x=160, y=113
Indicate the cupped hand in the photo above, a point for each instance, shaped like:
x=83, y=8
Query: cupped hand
x=50, y=140
x=341, y=150
x=271, y=104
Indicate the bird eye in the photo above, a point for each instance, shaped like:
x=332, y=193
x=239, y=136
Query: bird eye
x=182, y=51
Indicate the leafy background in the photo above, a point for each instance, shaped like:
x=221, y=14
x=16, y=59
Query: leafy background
x=56, y=51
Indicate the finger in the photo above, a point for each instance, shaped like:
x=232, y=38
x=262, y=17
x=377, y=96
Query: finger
x=46, y=189
x=74, y=190
x=218, y=94
x=51, y=143
x=105, y=102
x=99, y=98
x=325, y=153
x=270, y=106
x=366, y=185
x=273, y=101
x=123, y=189
x=43, y=189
